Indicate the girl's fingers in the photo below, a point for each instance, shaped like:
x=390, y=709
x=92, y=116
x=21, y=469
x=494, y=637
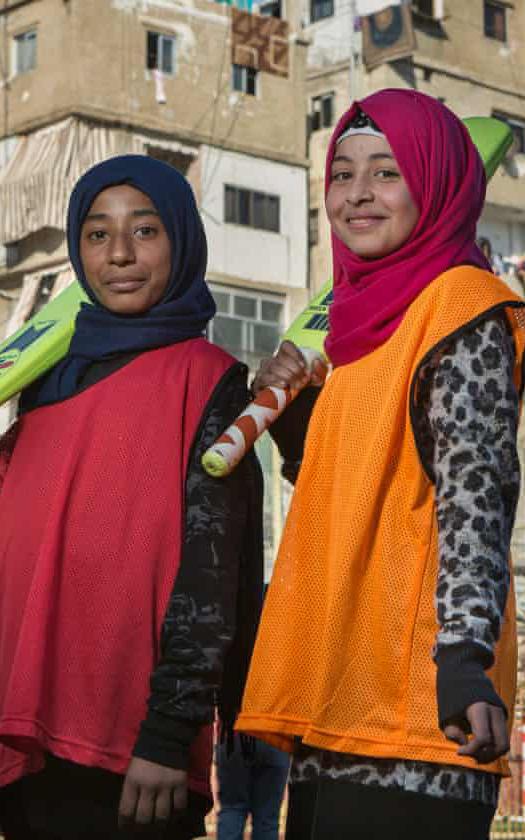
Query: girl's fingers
x=454, y=733
x=163, y=806
x=319, y=372
x=179, y=797
x=288, y=369
x=146, y=806
x=289, y=350
x=500, y=731
x=281, y=374
x=489, y=733
x=480, y=744
x=128, y=803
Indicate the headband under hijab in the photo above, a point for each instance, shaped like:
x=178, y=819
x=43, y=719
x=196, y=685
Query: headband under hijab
x=445, y=176
x=361, y=124
x=186, y=306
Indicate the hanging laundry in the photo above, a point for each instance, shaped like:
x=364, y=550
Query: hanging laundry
x=160, y=93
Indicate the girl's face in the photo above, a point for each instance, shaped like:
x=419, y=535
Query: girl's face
x=368, y=204
x=125, y=251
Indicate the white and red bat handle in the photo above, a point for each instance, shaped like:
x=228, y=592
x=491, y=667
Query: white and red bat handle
x=221, y=458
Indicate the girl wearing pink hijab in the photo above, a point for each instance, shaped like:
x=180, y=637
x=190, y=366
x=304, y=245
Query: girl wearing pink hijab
x=385, y=661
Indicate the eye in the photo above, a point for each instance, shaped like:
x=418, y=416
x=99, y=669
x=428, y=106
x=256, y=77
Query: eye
x=97, y=235
x=146, y=232
x=387, y=174
x=343, y=175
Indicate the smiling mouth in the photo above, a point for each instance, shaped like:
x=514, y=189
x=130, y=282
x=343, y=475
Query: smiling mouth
x=124, y=285
x=363, y=222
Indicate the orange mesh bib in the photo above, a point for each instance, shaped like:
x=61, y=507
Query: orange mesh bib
x=344, y=653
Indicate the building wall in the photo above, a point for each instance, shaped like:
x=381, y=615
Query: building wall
x=91, y=60
x=473, y=74
x=265, y=258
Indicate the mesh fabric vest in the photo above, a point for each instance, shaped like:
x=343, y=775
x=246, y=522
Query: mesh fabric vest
x=344, y=654
x=91, y=530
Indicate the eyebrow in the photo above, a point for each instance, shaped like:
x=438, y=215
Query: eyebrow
x=99, y=217
x=375, y=156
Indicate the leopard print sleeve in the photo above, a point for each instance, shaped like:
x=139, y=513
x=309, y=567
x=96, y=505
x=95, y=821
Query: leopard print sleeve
x=472, y=417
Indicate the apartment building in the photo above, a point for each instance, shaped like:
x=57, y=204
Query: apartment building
x=213, y=89
x=469, y=54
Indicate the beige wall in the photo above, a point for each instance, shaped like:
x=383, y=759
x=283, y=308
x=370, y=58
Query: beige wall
x=92, y=61
x=475, y=75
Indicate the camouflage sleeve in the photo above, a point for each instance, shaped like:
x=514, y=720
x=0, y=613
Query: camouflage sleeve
x=200, y=621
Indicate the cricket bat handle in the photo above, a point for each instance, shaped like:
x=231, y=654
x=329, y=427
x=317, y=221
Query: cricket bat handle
x=221, y=458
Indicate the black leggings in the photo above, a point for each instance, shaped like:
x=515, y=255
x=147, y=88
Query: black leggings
x=342, y=810
x=66, y=801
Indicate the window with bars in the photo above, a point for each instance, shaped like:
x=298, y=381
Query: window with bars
x=160, y=52
x=322, y=111
x=320, y=9
x=494, y=20
x=25, y=51
x=247, y=324
x=251, y=208
x=244, y=79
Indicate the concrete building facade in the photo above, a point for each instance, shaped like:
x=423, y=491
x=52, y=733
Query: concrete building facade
x=468, y=54
x=214, y=91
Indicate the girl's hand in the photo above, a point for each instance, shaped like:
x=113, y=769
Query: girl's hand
x=288, y=369
x=488, y=725
x=151, y=794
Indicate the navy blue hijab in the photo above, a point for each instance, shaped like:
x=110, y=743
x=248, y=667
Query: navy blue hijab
x=186, y=306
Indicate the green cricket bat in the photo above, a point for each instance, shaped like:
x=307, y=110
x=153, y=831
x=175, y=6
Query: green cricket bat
x=45, y=338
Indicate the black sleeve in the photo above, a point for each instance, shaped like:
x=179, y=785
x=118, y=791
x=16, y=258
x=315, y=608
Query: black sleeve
x=7, y=446
x=289, y=431
x=221, y=556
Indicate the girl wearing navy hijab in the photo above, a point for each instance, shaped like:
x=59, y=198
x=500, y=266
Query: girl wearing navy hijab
x=130, y=581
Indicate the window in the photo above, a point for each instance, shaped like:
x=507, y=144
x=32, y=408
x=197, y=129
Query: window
x=271, y=8
x=424, y=7
x=322, y=112
x=313, y=227
x=247, y=324
x=251, y=208
x=25, y=51
x=320, y=9
x=494, y=23
x=161, y=53
x=244, y=79
x=43, y=293
x=434, y=9
x=518, y=130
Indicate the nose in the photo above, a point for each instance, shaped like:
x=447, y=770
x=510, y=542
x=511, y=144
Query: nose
x=359, y=190
x=122, y=251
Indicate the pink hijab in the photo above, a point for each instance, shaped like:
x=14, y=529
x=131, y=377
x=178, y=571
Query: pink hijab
x=446, y=179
